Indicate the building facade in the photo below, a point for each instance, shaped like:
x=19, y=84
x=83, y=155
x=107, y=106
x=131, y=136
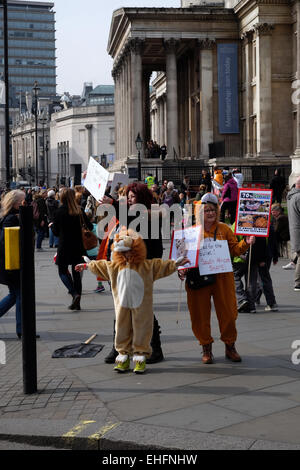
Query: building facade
x=226, y=82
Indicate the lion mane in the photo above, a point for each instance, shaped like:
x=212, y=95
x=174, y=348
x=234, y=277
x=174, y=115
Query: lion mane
x=136, y=255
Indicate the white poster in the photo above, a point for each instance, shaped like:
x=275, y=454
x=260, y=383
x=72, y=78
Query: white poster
x=214, y=257
x=186, y=243
x=96, y=179
x=120, y=179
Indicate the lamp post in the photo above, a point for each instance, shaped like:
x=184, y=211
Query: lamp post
x=36, y=92
x=139, y=144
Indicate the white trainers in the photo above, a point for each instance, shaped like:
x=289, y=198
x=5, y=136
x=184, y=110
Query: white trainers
x=271, y=308
x=290, y=265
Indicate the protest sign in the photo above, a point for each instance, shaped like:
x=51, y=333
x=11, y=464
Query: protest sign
x=186, y=243
x=96, y=179
x=253, y=213
x=214, y=257
x=118, y=179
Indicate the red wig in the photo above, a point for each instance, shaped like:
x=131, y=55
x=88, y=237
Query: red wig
x=142, y=193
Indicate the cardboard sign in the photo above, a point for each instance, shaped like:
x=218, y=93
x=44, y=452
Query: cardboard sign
x=186, y=243
x=214, y=257
x=96, y=179
x=253, y=213
x=118, y=179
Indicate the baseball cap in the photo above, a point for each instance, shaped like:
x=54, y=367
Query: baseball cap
x=209, y=198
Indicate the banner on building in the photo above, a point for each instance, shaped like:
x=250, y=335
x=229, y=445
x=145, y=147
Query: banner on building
x=228, y=88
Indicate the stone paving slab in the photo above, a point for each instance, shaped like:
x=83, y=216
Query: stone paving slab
x=179, y=403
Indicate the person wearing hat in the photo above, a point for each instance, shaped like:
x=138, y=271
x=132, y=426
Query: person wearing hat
x=52, y=206
x=222, y=290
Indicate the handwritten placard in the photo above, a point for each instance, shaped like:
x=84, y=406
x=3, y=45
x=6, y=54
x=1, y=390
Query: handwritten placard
x=214, y=257
x=96, y=179
x=186, y=243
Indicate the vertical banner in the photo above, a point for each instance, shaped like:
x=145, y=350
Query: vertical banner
x=228, y=88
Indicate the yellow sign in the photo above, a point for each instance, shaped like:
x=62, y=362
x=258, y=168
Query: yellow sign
x=12, y=248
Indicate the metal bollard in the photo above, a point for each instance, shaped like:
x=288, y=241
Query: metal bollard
x=28, y=300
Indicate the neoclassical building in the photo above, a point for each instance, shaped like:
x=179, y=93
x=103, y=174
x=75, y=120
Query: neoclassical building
x=224, y=79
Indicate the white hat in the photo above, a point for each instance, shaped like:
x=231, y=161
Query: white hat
x=209, y=198
x=51, y=193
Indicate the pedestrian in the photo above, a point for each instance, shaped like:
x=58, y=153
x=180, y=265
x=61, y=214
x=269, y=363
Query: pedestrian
x=206, y=179
x=222, y=290
x=132, y=277
x=170, y=196
x=163, y=151
x=277, y=184
x=229, y=198
x=9, y=217
x=238, y=176
x=52, y=206
x=40, y=217
x=280, y=222
x=67, y=225
x=293, y=205
x=201, y=192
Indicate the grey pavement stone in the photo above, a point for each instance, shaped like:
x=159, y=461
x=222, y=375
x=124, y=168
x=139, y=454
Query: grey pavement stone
x=177, y=404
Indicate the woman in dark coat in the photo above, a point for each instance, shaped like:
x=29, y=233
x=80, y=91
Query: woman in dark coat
x=9, y=217
x=67, y=225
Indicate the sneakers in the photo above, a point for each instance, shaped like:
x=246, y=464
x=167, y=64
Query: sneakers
x=297, y=288
x=139, y=364
x=242, y=306
x=99, y=289
x=271, y=308
x=122, y=363
x=290, y=265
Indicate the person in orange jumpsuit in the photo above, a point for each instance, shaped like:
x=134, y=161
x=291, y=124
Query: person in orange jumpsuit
x=222, y=290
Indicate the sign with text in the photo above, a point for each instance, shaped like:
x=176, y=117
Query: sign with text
x=214, y=257
x=186, y=243
x=253, y=213
x=96, y=179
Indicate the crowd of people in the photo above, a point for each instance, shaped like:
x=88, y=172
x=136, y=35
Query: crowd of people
x=60, y=214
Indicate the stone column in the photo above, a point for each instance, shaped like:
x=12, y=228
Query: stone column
x=206, y=84
x=89, y=141
x=264, y=88
x=295, y=88
x=172, y=103
x=136, y=46
x=115, y=74
x=247, y=39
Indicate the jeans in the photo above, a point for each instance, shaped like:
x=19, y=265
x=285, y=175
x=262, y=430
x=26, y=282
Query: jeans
x=53, y=240
x=72, y=282
x=40, y=236
x=297, y=271
x=13, y=298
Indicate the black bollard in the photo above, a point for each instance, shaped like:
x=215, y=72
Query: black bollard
x=28, y=300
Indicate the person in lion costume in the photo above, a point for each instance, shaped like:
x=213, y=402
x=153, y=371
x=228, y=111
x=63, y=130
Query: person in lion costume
x=132, y=277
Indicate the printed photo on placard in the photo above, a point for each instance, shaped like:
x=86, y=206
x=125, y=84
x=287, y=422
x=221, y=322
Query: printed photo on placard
x=186, y=243
x=253, y=212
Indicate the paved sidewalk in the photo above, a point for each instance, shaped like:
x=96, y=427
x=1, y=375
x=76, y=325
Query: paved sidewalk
x=176, y=404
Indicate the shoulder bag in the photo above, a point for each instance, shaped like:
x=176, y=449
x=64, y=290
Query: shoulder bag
x=89, y=239
x=195, y=281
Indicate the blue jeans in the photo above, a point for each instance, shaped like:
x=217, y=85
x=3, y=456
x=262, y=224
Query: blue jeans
x=53, y=240
x=13, y=298
x=40, y=236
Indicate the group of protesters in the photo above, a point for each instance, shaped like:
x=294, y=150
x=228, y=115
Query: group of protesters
x=61, y=214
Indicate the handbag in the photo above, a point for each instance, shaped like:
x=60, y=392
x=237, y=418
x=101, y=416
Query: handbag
x=195, y=281
x=89, y=239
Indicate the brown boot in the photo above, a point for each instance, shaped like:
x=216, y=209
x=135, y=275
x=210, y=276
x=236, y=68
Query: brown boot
x=207, y=357
x=231, y=353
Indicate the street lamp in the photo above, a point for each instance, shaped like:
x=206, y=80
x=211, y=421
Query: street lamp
x=36, y=92
x=139, y=145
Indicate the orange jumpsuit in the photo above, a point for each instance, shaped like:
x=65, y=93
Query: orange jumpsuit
x=222, y=292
